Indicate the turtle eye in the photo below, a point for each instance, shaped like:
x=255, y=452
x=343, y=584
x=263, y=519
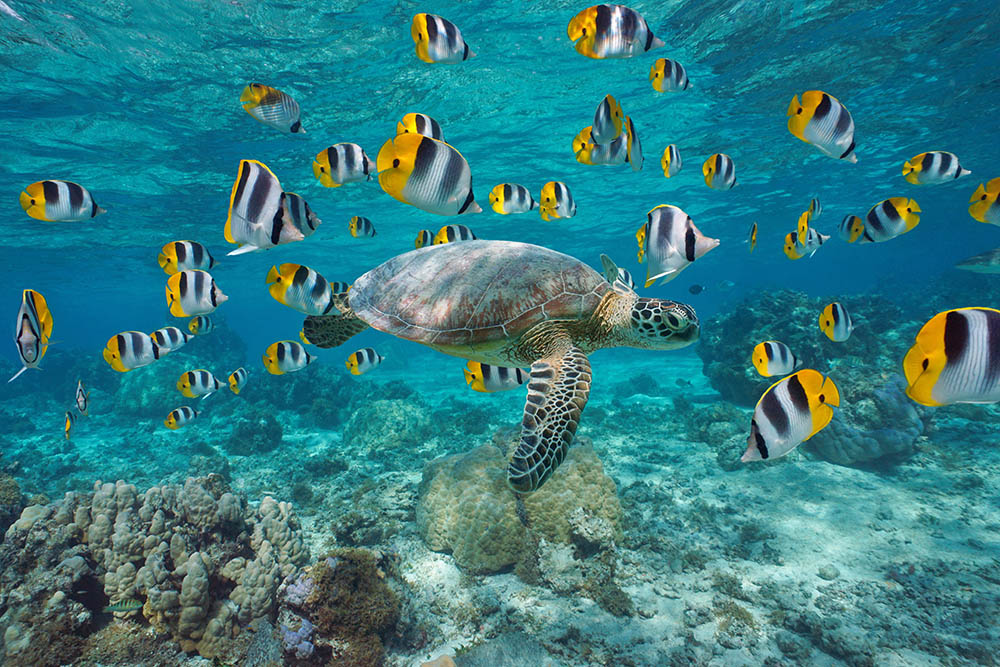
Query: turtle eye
x=673, y=321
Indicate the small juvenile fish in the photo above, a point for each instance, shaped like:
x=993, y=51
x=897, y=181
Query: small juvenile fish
x=129, y=350
x=836, y=322
x=790, y=412
x=192, y=293
x=272, y=107
x=296, y=212
x=821, y=120
x=424, y=237
x=82, y=399
x=671, y=161
x=183, y=256
x=815, y=208
x=453, y=234
x=719, y=171
x=427, y=174
x=285, y=356
x=626, y=277
x=168, y=339
x=299, y=287
x=752, y=236
x=607, y=121
x=984, y=205
x=611, y=31
x=201, y=325
x=178, y=417
x=933, y=167
x=797, y=248
x=438, y=40
x=255, y=220
x=508, y=198
x=634, y=153
x=59, y=201
x=123, y=606
x=341, y=164
x=671, y=242
x=556, y=201
x=69, y=422
x=419, y=123
x=955, y=358
x=238, y=380
x=362, y=361
x=890, y=218
x=668, y=76
x=199, y=382
x=361, y=227
x=773, y=357
x=32, y=330
x=851, y=228
x=487, y=379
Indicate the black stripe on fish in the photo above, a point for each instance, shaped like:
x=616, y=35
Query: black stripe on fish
x=50, y=192
x=945, y=163
x=758, y=439
x=276, y=225
x=75, y=195
x=769, y=351
x=823, y=108
x=689, y=242
x=797, y=393
x=771, y=409
x=180, y=250
x=850, y=149
x=469, y=200
x=602, y=22
x=301, y=276
x=956, y=336
x=992, y=347
x=333, y=156
x=508, y=192
x=843, y=122
x=350, y=159
x=281, y=352
x=432, y=29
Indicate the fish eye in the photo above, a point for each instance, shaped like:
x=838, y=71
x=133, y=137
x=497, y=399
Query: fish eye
x=822, y=398
x=983, y=198
x=926, y=363
x=583, y=32
x=419, y=36
x=322, y=170
x=909, y=211
x=33, y=201
x=799, y=111
x=395, y=163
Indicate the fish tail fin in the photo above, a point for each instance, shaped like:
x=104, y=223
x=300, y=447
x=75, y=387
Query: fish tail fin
x=14, y=377
x=243, y=249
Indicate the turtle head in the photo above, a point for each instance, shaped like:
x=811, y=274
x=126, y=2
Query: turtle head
x=658, y=324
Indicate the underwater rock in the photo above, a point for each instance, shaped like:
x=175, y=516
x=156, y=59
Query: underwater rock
x=11, y=502
x=466, y=507
x=511, y=649
x=254, y=436
x=388, y=424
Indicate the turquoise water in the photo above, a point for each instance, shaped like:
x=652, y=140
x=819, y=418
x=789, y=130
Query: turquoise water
x=139, y=102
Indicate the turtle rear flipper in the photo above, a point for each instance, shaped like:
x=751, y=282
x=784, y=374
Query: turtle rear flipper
x=332, y=330
x=557, y=393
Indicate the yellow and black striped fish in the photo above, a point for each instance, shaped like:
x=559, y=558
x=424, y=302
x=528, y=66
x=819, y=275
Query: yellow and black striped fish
x=238, y=379
x=285, y=356
x=438, y=40
x=256, y=203
x=340, y=164
x=129, y=350
x=933, y=167
x=169, y=339
x=272, y=107
x=32, y=330
x=184, y=255
x=588, y=152
x=752, y=236
x=667, y=76
x=851, y=228
x=201, y=325
x=295, y=211
x=890, y=218
x=797, y=247
x=671, y=161
x=301, y=288
x=59, y=201
x=82, y=399
x=956, y=358
x=420, y=123
x=508, y=198
x=362, y=361
x=773, y=357
x=361, y=227
x=556, y=201
x=192, y=293
x=607, y=121
x=720, y=172
x=427, y=174
x=69, y=420
x=790, y=412
x=178, y=417
x=836, y=322
x=488, y=379
x=611, y=31
x=821, y=120
x=198, y=382
x=984, y=205
x=670, y=242
x=425, y=237
x=453, y=233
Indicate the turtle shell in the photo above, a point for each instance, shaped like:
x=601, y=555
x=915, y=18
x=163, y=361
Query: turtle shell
x=474, y=292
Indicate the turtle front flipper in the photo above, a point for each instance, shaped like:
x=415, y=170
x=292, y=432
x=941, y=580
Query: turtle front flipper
x=332, y=330
x=557, y=392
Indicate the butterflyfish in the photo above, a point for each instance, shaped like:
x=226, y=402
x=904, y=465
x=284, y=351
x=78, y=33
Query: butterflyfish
x=669, y=242
x=556, y=201
x=667, y=76
x=933, y=167
x=983, y=205
x=362, y=361
x=296, y=212
x=82, y=399
x=453, y=233
x=272, y=107
x=300, y=287
x=438, y=40
x=611, y=31
x=671, y=161
x=836, y=322
x=488, y=379
x=179, y=417
x=427, y=174
x=420, y=123
x=890, y=218
x=183, y=256
x=201, y=325
x=773, y=357
x=790, y=412
x=821, y=120
x=719, y=171
x=607, y=121
x=129, y=350
x=424, y=237
x=192, y=293
x=256, y=211
x=361, y=227
x=507, y=198
x=168, y=339
x=238, y=380
x=341, y=164
x=59, y=201
x=32, y=330
x=285, y=356
x=199, y=382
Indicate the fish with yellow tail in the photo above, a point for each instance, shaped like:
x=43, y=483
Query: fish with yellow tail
x=179, y=417
x=198, y=383
x=984, y=205
x=363, y=360
x=238, y=380
x=611, y=31
x=772, y=357
x=821, y=120
x=438, y=40
x=32, y=330
x=955, y=358
x=424, y=237
x=296, y=212
x=851, y=228
x=272, y=107
x=427, y=174
x=69, y=421
x=667, y=76
x=556, y=201
x=890, y=218
x=184, y=256
x=299, y=287
x=752, y=236
x=59, y=201
x=169, y=339
x=453, y=234
x=341, y=164
x=508, y=198
x=671, y=161
x=191, y=293
x=361, y=227
x=201, y=325
x=797, y=247
x=82, y=399
x=420, y=123
x=488, y=379
x=255, y=220
x=933, y=167
x=607, y=121
x=836, y=322
x=587, y=152
x=790, y=412
x=669, y=242
x=719, y=171
x=285, y=356
x=129, y=350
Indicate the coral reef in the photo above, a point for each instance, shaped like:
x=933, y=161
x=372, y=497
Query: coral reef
x=388, y=424
x=10, y=502
x=255, y=436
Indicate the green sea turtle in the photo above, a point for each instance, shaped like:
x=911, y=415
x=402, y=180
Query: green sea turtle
x=511, y=304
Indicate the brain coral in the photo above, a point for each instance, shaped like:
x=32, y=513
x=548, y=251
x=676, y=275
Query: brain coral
x=466, y=507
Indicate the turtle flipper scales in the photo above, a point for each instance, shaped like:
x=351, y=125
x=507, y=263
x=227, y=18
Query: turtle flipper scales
x=332, y=330
x=557, y=392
